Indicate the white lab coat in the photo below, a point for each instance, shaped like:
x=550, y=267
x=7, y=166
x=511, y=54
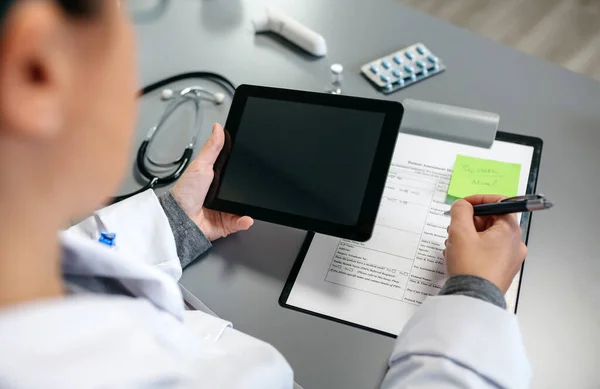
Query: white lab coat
x=148, y=342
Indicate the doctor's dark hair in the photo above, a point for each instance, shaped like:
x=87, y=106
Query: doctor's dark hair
x=81, y=7
x=77, y=8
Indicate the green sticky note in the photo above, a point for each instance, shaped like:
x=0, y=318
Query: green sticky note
x=483, y=176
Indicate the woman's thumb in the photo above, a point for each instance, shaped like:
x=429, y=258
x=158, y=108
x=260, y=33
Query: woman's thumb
x=462, y=215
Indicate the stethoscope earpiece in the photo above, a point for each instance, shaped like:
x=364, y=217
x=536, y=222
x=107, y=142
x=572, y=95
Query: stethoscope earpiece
x=219, y=98
x=167, y=94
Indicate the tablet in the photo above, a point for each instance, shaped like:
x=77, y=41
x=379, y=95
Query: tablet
x=312, y=161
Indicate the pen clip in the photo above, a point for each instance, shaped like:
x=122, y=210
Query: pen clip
x=524, y=198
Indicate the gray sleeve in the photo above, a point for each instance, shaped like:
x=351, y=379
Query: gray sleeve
x=473, y=286
x=190, y=241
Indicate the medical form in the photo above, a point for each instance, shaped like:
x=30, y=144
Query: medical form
x=379, y=284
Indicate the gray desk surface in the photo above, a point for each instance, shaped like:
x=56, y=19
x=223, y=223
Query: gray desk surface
x=242, y=277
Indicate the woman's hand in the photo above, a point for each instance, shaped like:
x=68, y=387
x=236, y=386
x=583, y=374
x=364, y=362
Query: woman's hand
x=191, y=189
x=489, y=247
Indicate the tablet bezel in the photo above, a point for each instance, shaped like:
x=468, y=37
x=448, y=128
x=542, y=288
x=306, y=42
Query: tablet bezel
x=363, y=229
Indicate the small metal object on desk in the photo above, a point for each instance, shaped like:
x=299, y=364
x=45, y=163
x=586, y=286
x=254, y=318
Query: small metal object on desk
x=336, y=79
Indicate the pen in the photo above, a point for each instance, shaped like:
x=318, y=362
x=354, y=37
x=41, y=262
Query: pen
x=527, y=203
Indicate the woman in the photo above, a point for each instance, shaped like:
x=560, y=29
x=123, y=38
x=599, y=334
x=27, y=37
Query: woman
x=75, y=313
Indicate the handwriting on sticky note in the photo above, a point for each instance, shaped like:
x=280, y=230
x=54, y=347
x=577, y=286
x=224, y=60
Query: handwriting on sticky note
x=483, y=176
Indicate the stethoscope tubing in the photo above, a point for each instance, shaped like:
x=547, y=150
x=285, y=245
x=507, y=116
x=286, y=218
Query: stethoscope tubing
x=182, y=163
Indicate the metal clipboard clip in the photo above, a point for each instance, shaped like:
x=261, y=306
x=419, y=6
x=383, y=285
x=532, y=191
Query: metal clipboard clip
x=449, y=123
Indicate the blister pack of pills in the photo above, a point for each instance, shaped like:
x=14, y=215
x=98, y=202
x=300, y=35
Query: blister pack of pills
x=403, y=68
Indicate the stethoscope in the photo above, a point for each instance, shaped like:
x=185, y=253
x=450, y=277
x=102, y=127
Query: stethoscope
x=194, y=94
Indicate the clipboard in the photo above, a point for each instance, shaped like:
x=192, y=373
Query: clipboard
x=530, y=187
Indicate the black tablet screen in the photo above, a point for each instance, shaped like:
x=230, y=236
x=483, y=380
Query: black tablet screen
x=303, y=159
